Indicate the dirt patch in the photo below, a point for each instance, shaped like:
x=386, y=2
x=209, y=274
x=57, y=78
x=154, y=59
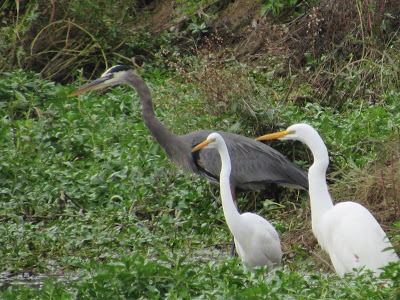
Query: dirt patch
x=247, y=34
x=332, y=28
x=160, y=13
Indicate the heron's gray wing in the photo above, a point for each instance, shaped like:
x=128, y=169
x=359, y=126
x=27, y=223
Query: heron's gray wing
x=254, y=164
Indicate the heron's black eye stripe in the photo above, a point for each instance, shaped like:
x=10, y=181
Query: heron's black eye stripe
x=118, y=69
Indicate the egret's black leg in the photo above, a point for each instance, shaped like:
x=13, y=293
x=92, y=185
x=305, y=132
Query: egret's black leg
x=233, y=191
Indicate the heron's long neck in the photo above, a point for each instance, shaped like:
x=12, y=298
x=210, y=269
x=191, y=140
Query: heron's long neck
x=162, y=134
x=230, y=211
x=320, y=198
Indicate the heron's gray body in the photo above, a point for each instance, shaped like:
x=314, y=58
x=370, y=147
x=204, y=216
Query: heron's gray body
x=254, y=164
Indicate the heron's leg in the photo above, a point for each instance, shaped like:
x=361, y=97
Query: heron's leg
x=233, y=191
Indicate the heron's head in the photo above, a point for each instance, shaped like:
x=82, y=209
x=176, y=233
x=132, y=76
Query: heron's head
x=113, y=76
x=212, y=141
x=301, y=132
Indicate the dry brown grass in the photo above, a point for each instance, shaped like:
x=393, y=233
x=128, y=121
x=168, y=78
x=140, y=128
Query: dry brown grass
x=222, y=83
x=328, y=45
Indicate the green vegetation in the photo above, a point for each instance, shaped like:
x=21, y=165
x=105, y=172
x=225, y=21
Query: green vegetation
x=91, y=208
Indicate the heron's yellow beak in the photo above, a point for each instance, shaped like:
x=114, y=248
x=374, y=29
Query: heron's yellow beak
x=202, y=145
x=273, y=136
x=97, y=84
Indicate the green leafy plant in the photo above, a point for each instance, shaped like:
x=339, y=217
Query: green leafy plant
x=278, y=6
x=92, y=208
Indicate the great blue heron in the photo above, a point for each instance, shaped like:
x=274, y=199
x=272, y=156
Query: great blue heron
x=347, y=231
x=254, y=165
x=256, y=240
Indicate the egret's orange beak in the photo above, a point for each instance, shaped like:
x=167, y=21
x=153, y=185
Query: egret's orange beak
x=274, y=136
x=202, y=145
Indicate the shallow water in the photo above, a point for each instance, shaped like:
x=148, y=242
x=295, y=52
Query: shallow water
x=28, y=280
x=36, y=281
x=8, y=279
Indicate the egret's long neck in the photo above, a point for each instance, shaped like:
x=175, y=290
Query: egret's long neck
x=168, y=140
x=230, y=211
x=320, y=198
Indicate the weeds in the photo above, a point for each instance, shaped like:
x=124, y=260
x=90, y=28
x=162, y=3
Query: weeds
x=277, y=7
x=84, y=188
x=89, y=200
x=56, y=39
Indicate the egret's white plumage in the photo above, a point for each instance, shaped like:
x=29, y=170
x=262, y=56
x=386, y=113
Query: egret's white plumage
x=256, y=240
x=347, y=231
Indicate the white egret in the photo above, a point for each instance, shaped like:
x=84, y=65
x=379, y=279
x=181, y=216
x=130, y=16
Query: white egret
x=347, y=231
x=256, y=240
